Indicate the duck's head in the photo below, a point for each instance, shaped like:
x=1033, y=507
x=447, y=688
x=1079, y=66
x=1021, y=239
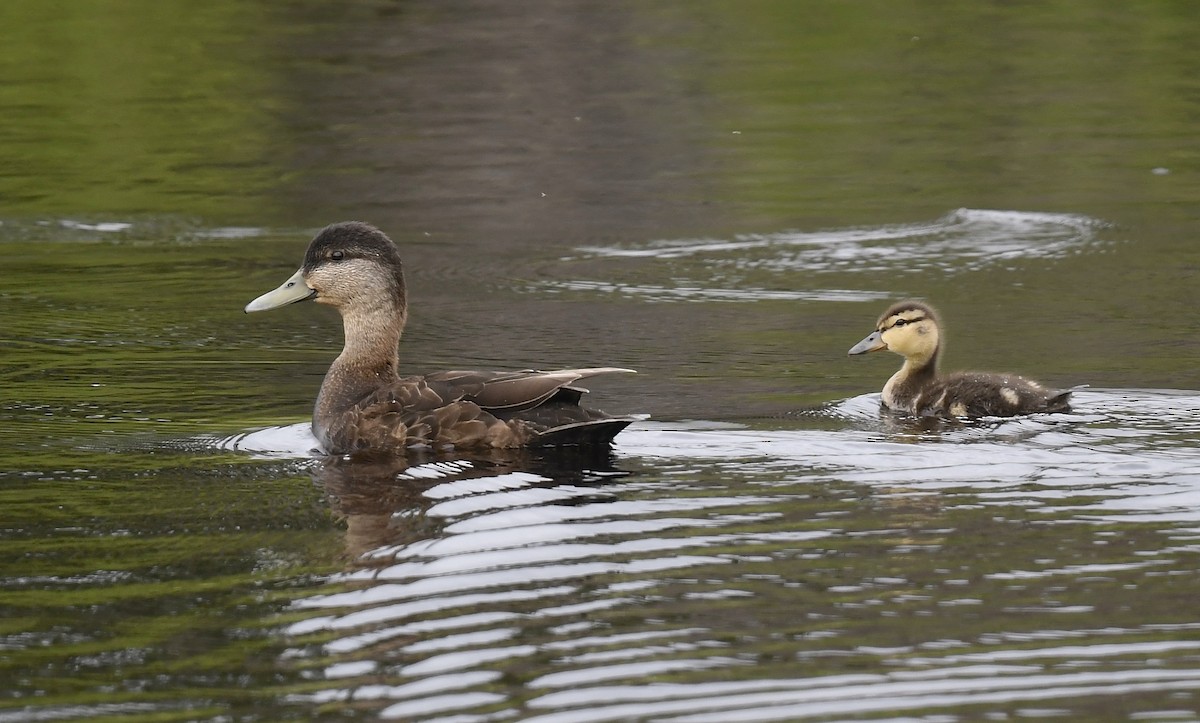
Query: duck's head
x=908, y=328
x=351, y=266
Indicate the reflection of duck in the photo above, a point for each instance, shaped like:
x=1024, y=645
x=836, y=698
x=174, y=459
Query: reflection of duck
x=912, y=330
x=384, y=503
x=365, y=404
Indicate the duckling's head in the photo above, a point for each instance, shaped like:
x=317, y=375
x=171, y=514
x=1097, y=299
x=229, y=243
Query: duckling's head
x=908, y=328
x=351, y=266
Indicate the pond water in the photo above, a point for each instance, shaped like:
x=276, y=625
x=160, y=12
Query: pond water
x=723, y=197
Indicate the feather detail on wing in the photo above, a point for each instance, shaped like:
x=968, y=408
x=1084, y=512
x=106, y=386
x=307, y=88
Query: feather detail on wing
x=510, y=392
x=471, y=409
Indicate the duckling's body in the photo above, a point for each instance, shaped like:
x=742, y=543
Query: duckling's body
x=364, y=403
x=912, y=330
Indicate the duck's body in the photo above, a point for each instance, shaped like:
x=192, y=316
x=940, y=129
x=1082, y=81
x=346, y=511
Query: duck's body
x=364, y=403
x=912, y=330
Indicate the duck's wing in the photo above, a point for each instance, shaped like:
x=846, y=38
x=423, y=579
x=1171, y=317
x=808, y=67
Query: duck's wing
x=475, y=409
x=507, y=393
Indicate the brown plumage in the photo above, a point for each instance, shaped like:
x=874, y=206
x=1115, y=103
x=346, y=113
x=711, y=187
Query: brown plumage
x=912, y=329
x=364, y=404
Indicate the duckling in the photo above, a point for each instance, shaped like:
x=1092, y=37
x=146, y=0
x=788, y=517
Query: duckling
x=365, y=404
x=912, y=330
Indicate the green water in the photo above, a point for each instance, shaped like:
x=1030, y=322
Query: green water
x=162, y=163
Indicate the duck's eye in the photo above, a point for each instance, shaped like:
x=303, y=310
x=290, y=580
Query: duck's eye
x=900, y=322
x=337, y=255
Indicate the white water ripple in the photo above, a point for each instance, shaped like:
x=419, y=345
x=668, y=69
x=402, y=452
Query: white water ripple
x=768, y=267
x=974, y=236
x=764, y=550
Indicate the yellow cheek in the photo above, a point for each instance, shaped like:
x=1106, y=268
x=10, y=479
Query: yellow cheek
x=911, y=340
x=895, y=341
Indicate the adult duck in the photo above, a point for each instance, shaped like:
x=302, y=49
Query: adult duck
x=364, y=402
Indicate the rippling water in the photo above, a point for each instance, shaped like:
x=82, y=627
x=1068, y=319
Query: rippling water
x=851, y=563
x=721, y=196
x=768, y=268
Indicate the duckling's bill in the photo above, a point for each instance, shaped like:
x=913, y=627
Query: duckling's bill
x=291, y=291
x=874, y=342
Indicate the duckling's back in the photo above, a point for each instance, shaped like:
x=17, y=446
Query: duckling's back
x=979, y=394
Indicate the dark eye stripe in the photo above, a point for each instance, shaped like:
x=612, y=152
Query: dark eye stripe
x=903, y=322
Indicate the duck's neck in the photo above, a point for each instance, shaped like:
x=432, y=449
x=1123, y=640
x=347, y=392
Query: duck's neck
x=369, y=361
x=916, y=374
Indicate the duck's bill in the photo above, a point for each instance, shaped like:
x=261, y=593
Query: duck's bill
x=292, y=290
x=874, y=342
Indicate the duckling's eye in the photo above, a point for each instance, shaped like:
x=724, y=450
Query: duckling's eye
x=900, y=322
x=337, y=255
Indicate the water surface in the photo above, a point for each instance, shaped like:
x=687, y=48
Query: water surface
x=722, y=199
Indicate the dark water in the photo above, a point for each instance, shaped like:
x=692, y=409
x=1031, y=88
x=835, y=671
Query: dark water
x=722, y=196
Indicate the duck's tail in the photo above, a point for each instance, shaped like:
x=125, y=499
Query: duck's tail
x=593, y=432
x=1060, y=401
